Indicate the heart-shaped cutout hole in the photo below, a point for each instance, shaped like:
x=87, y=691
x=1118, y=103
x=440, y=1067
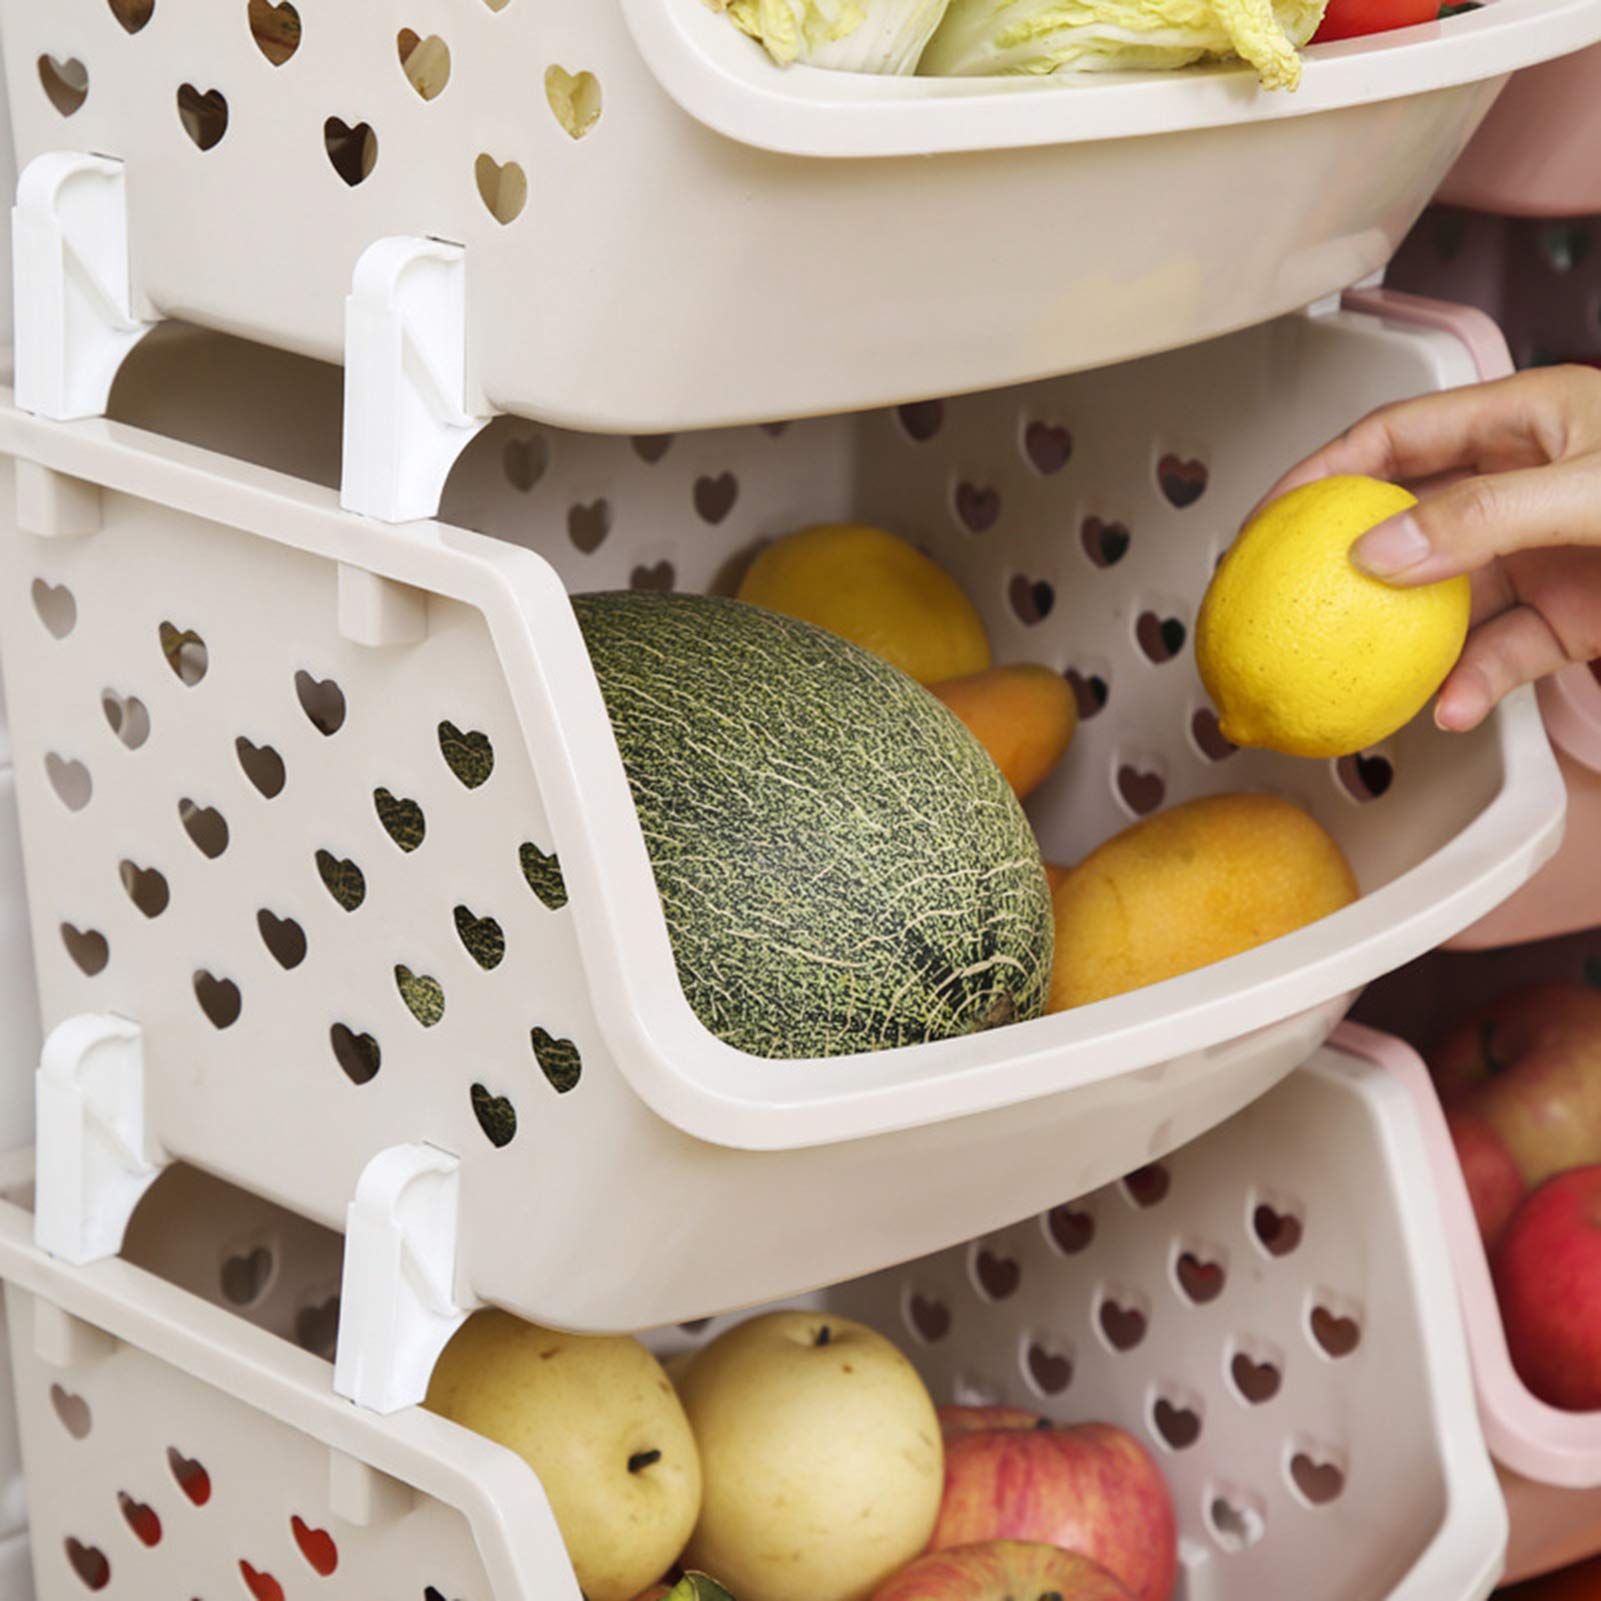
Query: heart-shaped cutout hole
x=276, y=29
x=658, y=578
x=352, y=151
x=921, y=419
x=1123, y=1326
x=1338, y=1336
x=1148, y=1185
x=317, y=1328
x=1183, y=482
x=262, y=765
x=425, y=62
x=1090, y=692
x=73, y=1411
x=146, y=887
x=544, y=876
x=978, y=507
x=65, y=83
x=998, y=1276
x=424, y=996
x=246, y=1275
x=575, y=100
x=87, y=947
x=190, y=1475
x=559, y=1060
x=1071, y=1231
x=930, y=1319
x=588, y=525
x=261, y=1585
x=185, y=653
x=715, y=497
x=342, y=879
x=1048, y=447
x=133, y=14
x=1161, y=638
x=651, y=448
x=219, y=999
x=206, y=827
x=89, y=1563
x=1209, y=737
x=1235, y=1525
x=322, y=700
x=525, y=462
x=57, y=607
x=1142, y=792
x=139, y=1517
x=1365, y=778
x=204, y=115
x=358, y=1054
x=497, y=1117
x=1031, y=599
x=1179, y=1426
x=1320, y=1482
x=1256, y=1381
x=402, y=819
x=470, y=756
x=1278, y=1231
x=502, y=186
x=316, y=1546
x=1106, y=544
x=1050, y=1370
x=1201, y=1280
x=70, y=780
x=283, y=937
x=483, y=936
x=127, y=717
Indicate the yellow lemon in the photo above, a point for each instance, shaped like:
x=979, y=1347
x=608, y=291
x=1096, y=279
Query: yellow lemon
x=874, y=589
x=1300, y=652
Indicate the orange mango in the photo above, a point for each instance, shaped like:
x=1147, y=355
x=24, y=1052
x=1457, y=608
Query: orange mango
x=1024, y=715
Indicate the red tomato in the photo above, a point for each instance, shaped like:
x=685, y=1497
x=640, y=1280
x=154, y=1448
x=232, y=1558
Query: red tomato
x=1349, y=19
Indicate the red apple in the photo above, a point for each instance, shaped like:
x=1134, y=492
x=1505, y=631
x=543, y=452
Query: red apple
x=1529, y=1064
x=955, y=1421
x=1548, y=1278
x=1494, y=1184
x=1523, y=1024
x=1002, y=1570
x=1091, y=1488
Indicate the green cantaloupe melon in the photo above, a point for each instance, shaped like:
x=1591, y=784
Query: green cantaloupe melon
x=842, y=866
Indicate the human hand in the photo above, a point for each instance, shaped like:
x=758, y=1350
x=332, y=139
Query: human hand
x=1508, y=476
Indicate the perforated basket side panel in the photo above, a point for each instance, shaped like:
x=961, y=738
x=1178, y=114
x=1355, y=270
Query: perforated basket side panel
x=1244, y=1309
x=309, y=878
x=1084, y=517
x=145, y=1481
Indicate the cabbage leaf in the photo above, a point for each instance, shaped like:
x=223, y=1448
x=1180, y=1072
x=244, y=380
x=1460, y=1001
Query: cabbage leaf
x=980, y=37
x=884, y=36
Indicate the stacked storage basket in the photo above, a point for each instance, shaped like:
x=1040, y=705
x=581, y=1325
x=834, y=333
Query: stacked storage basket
x=226, y=676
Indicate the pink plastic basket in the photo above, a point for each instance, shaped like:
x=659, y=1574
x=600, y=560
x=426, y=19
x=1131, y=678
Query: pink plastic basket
x=1549, y=1461
x=1535, y=154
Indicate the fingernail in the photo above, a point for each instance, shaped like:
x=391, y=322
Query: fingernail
x=1392, y=547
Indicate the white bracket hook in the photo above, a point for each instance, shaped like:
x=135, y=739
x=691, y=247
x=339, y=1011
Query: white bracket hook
x=74, y=316
x=406, y=416
x=95, y=1160
x=397, y=1304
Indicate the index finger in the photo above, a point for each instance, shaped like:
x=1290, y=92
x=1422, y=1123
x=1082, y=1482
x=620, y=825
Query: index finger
x=1521, y=421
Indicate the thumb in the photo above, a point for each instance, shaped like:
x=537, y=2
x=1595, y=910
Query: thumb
x=1468, y=524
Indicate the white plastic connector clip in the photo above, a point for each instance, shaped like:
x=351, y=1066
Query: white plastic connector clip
x=94, y=1160
x=406, y=416
x=397, y=1304
x=74, y=319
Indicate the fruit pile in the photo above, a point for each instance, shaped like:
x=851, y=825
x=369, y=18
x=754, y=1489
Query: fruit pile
x=828, y=771
x=798, y=1457
x=1520, y=1081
